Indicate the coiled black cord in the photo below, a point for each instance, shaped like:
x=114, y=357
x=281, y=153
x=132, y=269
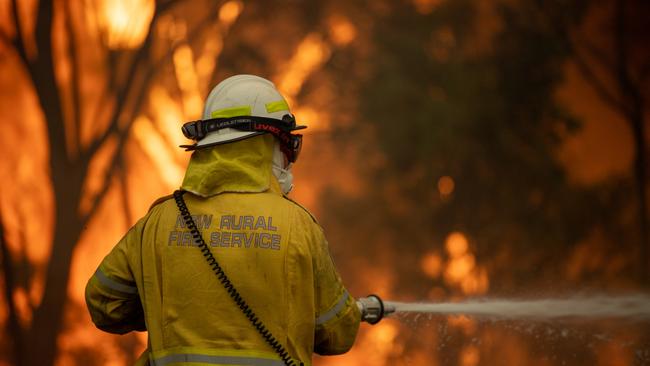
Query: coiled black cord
x=225, y=281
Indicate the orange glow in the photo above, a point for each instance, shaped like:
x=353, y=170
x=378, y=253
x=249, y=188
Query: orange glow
x=156, y=149
x=437, y=294
x=459, y=268
x=374, y=346
x=592, y=255
x=324, y=157
x=80, y=338
x=168, y=117
x=477, y=283
x=309, y=116
x=456, y=244
x=515, y=353
x=381, y=343
x=37, y=286
x=90, y=251
x=385, y=334
x=611, y=354
x=442, y=42
x=426, y=6
x=341, y=30
x=582, y=153
x=446, y=185
x=124, y=23
x=470, y=356
x=23, y=307
x=28, y=223
x=207, y=60
x=171, y=28
x=431, y=265
x=467, y=325
x=98, y=169
x=188, y=82
x=230, y=11
x=310, y=54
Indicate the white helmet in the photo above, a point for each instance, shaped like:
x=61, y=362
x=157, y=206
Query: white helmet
x=243, y=106
x=242, y=95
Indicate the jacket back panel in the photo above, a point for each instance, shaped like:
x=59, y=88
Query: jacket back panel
x=264, y=249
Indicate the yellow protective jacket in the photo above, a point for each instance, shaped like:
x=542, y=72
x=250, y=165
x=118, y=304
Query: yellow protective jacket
x=274, y=252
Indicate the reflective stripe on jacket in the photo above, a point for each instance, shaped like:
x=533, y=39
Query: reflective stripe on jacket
x=271, y=248
x=212, y=357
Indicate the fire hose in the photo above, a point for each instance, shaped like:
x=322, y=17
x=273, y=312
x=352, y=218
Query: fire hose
x=373, y=309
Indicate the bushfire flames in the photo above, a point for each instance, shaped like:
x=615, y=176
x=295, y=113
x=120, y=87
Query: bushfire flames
x=150, y=164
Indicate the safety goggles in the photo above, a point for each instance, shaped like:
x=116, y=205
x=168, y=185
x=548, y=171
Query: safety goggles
x=290, y=144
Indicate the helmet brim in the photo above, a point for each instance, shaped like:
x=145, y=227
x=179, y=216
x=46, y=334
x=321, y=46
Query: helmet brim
x=214, y=139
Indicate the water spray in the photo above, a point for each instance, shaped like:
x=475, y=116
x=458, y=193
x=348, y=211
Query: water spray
x=631, y=312
x=634, y=307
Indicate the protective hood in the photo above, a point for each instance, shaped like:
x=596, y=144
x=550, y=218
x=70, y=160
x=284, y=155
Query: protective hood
x=242, y=166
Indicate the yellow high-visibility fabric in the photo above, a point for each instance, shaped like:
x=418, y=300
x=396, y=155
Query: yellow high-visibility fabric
x=244, y=166
x=273, y=251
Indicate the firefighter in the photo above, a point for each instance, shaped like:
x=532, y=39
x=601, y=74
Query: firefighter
x=288, y=300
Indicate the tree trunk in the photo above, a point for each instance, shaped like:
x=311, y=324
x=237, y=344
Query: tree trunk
x=67, y=178
x=640, y=175
x=48, y=317
x=634, y=113
x=13, y=326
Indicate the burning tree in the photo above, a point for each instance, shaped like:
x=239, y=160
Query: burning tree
x=109, y=92
x=608, y=50
x=91, y=67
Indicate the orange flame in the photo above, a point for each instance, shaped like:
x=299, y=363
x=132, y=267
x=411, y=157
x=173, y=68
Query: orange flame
x=426, y=6
x=124, y=23
x=230, y=11
x=446, y=186
x=341, y=30
x=158, y=151
x=310, y=54
x=188, y=81
x=470, y=356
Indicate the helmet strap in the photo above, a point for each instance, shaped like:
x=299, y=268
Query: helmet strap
x=290, y=144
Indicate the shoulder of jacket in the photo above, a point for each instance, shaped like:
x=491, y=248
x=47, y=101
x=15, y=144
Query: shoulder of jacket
x=160, y=200
x=301, y=207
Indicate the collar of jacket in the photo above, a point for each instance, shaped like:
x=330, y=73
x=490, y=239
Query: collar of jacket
x=243, y=167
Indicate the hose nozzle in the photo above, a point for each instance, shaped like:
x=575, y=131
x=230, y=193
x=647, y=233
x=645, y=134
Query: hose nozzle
x=373, y=309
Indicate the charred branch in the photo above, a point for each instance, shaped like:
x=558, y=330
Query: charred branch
x=123, y=133
x=626, y=99
x=75, y=79
x=6, y=39
x=598, y=85
x=19, y=41
x=13, y=326
x=635, y=118
x=645, y=73
x=122, y=94
x=124, y=192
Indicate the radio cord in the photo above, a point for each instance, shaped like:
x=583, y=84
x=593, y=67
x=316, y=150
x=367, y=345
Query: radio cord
x=227, y=284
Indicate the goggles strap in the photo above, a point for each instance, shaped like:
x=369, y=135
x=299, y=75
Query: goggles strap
x=289, y=143
x=196, y=130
